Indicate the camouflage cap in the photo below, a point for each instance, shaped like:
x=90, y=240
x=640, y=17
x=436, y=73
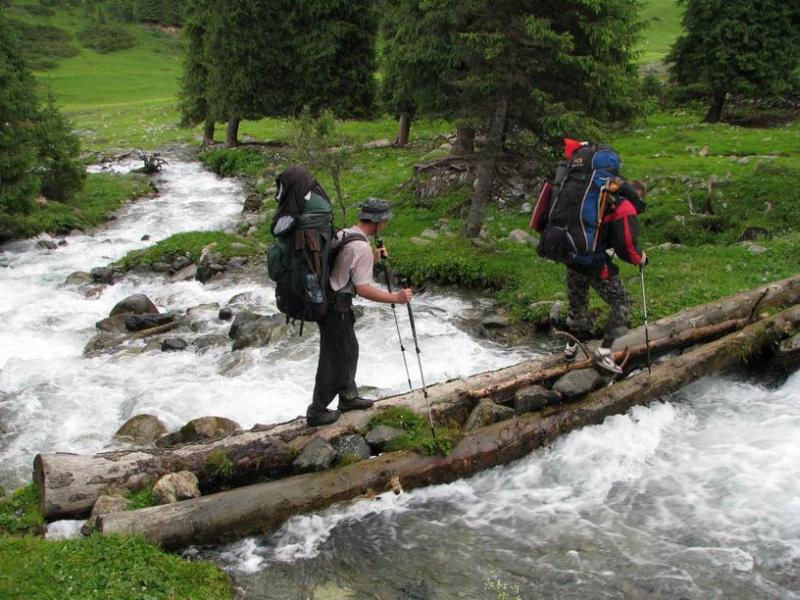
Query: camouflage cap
x=375, y=210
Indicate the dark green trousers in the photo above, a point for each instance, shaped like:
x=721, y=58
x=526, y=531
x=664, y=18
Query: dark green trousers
x=338, y=359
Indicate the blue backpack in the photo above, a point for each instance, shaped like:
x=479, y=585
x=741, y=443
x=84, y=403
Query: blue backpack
x=572, y=231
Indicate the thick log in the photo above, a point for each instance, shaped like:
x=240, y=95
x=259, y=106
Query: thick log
x=260, y=508
x=69, y=484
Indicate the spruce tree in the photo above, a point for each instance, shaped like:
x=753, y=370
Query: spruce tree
x=736, y=46
x=60, y=170
x=18, y=116
x=192, y=101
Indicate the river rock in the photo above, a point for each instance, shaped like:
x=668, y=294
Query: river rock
x=142, y=322
x=496, y=322
x=486, y=413
x=46, y=245
x=159, y=267
x=103, y=275
x=380, y=436
x=174, y=487
x=787, y=353
x=103, y=343
x=250, y=329
x=207, y=428
x=78, y=278
x=141, y=429
x=187, y=273
x=104, y=505
x=137, y=304
x=534, y=397
x=180, y=263
x=174, y=345
x=351, y=446
x=115, y=324
x=225, y=314
x=577, y=383
x=210, y=264
x=253, y=202
x=209, y=341
x=317, y=455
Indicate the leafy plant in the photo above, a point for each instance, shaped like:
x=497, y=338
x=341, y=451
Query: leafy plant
x=20, y=512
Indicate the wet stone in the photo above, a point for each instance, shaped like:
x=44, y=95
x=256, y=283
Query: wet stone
x=180, y=262
x=160, y=267
x=104, y=505
x=318, y=455
x=534, y=398
x=137, y=304
x=349, y=446
x=78, y=278
x=175, y=487
x=487, y=413
x=225, y=314
x=174, y=345
x=577, y=383
x=141, y=429
x=379, y=437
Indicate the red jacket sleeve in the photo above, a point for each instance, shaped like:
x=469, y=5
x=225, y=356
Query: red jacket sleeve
x=623, y=232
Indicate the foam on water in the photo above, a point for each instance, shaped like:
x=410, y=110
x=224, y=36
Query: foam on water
x=693, y=497
x=54, y=399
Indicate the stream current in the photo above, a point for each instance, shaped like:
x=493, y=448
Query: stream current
x=695, y=496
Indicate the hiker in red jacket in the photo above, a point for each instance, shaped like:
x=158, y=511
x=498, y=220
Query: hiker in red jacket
x=619, y=237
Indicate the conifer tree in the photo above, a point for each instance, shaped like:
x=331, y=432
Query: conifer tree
x=736, y=46
x=192, y=101
x=18, y=114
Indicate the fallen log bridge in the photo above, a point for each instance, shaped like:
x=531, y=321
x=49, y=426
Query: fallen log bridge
x=262, y=507
x=69, y=484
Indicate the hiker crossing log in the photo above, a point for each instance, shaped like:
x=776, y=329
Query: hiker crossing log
x=69, y=484
x=260, y=508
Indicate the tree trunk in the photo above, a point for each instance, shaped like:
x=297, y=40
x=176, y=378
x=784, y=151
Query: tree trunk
x=714, y=113
x=69, y=484
x=404, y=129
x=465, y=140
x=232, y=133
x=208, y=132
x=260, y=508
x=486, y=168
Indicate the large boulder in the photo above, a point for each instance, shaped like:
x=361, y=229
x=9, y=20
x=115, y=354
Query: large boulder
x=351, y=447
x=210, y=264
x=175, y=487
x=78, y=278
x=137, y=304
x=486, y=413
x=250, y=329
x=142, y=322
x=577, y=383
x=534, y=397
x=317, y=455
x=379, y=437
x=104, y=505
x=206, y=428
x=106, y=274
x=115, y=324
x=143, y=430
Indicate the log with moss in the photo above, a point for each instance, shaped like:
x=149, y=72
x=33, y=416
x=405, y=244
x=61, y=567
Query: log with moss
x=69, y=484
x=262, y=507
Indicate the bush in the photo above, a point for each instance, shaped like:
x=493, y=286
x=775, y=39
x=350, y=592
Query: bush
x=42, y=44
x=106, y=38
x=229, y=162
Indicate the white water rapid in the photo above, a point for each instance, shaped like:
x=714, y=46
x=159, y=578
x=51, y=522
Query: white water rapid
x=54, y=399
x=692, y=497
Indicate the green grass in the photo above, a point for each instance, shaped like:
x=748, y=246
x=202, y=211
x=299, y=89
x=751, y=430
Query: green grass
x=191, y=244
x=20, y=512
x=101, y=195
x=663, y=18
x=417, y=435
x=141, y=499
x=103, y=567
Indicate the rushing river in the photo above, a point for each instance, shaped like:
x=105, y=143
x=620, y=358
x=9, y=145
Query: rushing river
x=696, y=496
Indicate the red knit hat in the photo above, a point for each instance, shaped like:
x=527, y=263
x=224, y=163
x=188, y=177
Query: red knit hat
x=570, y=146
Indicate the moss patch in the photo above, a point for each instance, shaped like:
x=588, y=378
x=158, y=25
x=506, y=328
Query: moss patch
x=191, y=244
x=417, y=435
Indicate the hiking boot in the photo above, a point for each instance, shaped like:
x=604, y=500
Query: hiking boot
x=571, y=351
x=604, y=359
x=318, y=417
x=354, y=404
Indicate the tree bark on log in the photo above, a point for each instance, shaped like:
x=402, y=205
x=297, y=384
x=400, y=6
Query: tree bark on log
x=260, y=508
x=69, y=484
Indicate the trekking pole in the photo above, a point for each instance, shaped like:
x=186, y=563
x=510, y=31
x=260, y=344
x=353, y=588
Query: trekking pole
x=646, y=331
x=419, y=362
x=379, y=245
